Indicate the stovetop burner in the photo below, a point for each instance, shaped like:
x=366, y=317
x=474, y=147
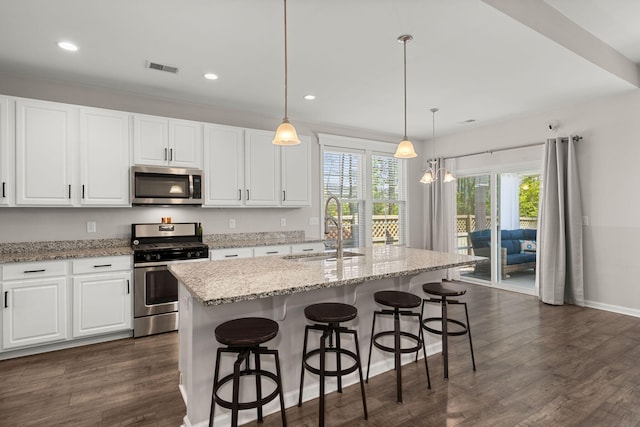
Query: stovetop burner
x=167, y=242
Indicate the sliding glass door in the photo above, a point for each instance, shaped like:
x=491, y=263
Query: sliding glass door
x=497, y=216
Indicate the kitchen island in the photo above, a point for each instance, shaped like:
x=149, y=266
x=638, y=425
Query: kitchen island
x=280, y=288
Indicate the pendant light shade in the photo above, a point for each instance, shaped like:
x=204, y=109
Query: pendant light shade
x=405, y=149
x=286, y=134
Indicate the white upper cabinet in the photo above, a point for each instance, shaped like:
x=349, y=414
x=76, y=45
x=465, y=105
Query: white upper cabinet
x=224, y=166
x=296, y=173
x=262, y=166
x=46, y=141
x=166, y=142
x=7, y=156
x=244, y=168
x=104, y=157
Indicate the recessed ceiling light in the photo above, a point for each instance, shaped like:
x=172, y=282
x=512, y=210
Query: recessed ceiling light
x=309, y=97
x=68, y=46
x=210, y=76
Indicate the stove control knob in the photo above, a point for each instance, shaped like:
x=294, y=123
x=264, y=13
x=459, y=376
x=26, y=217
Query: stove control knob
x=147, y=257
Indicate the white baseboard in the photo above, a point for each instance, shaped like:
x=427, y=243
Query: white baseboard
x=612, y=308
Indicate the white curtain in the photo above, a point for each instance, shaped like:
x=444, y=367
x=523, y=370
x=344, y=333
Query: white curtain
x=560, y=261
x=440, y=215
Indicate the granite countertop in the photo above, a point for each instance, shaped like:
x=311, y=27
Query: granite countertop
x=229, y=281
x=65, y=249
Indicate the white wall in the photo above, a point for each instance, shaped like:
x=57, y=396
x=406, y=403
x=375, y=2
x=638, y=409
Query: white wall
x=610, y=177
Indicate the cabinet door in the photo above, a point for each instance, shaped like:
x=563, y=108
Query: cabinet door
x=185, y=143
x=104, y=157
x=45, y=153
x=7, y=137
x=262, y=169
x=296, y=173
x=224, y=166
x=101, y=303
x=150, y=140
x=35, y=312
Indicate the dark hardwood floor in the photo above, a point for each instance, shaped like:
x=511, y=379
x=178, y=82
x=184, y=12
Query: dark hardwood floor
x=538, y=365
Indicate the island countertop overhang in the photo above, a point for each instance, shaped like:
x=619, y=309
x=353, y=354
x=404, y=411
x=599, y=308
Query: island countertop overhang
x=230, y=281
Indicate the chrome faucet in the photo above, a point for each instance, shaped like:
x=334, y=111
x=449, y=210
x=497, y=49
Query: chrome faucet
x=337, y=221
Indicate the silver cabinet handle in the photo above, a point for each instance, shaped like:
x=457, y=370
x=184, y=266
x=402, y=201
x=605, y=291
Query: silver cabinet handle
x=284, y=195
x=247, y=194
x=239, y=194
x=307, y=250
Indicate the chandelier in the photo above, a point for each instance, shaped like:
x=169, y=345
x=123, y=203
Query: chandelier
x=433, y=172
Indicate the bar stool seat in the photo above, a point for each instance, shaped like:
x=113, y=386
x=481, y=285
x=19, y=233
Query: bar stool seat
x=244, y=337
x=328, y=317
x=400, y=303
x=442, y=291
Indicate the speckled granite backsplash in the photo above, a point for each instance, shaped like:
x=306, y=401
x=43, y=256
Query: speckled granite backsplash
x=61, y=245
x=235, y=240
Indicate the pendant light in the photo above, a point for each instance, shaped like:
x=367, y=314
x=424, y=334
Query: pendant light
x=431, y=175
x=405, y=149
x=286, y=134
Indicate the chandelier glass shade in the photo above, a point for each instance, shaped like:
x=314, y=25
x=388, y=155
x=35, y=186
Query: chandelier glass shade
x=433, y=172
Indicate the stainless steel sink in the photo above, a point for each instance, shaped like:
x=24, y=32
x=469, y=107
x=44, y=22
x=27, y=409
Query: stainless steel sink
x=323, y=256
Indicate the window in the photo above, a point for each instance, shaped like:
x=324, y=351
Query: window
x=370, y=184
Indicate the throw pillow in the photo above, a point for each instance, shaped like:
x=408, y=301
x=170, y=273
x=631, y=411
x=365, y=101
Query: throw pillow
x=527, y=245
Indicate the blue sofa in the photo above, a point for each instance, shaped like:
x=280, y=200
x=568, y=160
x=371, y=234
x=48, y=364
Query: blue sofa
x=518, y=250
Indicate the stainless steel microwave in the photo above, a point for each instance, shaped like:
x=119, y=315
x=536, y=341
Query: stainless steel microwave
x=165, y=185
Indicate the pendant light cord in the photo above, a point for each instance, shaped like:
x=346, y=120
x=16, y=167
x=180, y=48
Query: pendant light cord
x=404, y=43
x=286, y=74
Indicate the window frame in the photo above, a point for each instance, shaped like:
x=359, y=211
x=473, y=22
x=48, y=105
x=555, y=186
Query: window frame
x=367, y=149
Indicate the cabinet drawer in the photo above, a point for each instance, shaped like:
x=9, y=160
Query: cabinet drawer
x=231, y=253
x=34, y=270
x=307, y=248
x=101, y=264
x=272, y=250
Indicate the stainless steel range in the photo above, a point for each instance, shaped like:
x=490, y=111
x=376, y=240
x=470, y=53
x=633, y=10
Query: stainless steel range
x=155, y=289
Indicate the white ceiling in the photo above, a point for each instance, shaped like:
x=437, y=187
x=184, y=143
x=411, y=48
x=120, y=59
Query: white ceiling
x=468, y=58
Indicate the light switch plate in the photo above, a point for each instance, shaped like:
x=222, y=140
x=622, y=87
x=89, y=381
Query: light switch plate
x=232, y=223
x=283, y=222
x=91, y=226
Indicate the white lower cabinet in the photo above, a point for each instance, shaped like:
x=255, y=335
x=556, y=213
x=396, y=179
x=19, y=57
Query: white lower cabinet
x=230, y=253
x=50, y=302
x=34, y=310
x=102, y=299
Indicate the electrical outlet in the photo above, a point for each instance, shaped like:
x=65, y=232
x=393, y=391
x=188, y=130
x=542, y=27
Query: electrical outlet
x=283, y=222
x=91, y=226
x=314, y=220
x=232, y=223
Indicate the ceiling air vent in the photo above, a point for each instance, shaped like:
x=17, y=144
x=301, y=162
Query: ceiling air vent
x=161, y=67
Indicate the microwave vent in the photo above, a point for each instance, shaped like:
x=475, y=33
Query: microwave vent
x=161, y=67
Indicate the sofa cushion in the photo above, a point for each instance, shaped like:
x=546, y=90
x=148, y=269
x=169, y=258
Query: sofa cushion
x=520, y=258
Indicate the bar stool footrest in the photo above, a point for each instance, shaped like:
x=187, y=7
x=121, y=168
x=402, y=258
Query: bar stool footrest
x=334, y=373
x=414, y=337
x=254, y=403
x=439, y=332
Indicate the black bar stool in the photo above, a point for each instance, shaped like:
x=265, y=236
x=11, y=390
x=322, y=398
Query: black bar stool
x=330, y=315
x=442, y=292
x=244, y=336
x=398, y=300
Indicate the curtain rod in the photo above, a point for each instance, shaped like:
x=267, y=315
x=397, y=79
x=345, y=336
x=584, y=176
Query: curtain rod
x=496, y=150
